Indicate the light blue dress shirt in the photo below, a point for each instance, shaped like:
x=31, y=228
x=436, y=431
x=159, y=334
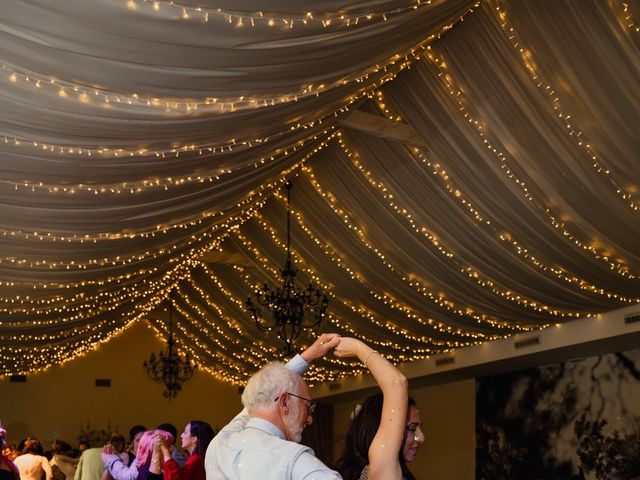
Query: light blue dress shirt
x=255, y=449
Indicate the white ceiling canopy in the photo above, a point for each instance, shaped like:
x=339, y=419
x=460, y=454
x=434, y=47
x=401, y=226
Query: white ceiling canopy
x=462, y=171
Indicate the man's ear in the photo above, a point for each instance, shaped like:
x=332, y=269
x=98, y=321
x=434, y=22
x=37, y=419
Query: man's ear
x=283, y=402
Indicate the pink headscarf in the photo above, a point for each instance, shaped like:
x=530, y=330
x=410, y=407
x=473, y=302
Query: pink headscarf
x=145, y=447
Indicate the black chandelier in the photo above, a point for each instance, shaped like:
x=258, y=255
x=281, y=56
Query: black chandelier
x=170, y=367
x=287, y=304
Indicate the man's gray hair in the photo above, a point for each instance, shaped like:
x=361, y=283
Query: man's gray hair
x=268, y=383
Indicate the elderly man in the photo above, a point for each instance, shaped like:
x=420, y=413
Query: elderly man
x=262, y=441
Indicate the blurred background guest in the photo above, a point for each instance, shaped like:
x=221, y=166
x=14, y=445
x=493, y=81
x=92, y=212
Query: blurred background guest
x=31, y=464
x=63, y=462
x=8, y=470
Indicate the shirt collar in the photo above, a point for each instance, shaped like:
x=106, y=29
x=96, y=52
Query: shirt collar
x=265, y=426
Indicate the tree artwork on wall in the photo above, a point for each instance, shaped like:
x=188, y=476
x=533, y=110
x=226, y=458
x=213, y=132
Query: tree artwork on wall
x=572, y=420
x=96, y=436
x=608, y=456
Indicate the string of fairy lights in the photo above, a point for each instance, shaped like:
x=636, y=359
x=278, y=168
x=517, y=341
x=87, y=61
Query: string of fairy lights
x=389, y=70
x=215, y=105
x=576, y=134
x=361, y=311
x=265, y=352
x=384, y=298
x=155, y=183
x=439, y=300
x=155, y=289
x=482, y=218
x=251, y=198
x=457, y=95
x=236, y=361
x=341, y=326
x=628, y=20
x=240, y=19
x=266, y=265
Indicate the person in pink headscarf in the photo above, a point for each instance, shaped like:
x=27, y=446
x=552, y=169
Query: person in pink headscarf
x=139, y=469
x=8, y=471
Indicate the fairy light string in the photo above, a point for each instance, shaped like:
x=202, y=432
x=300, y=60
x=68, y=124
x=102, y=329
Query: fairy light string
x=239, y=19
x=466, y=270
x=482, y=219
x=364, y=313
x=575, y=133
x=627, y=17
x=342, y=326
x=255, y=353
x=457, y=95
x=386, y=299
x=388, y=326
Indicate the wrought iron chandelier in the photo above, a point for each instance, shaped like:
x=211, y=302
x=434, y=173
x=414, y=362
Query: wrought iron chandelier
x=287, y=304
x=170, y=367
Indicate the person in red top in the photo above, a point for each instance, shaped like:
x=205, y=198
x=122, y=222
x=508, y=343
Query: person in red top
x=195, y=439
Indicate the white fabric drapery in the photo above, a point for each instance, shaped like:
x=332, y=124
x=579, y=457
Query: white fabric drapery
x=461, y=172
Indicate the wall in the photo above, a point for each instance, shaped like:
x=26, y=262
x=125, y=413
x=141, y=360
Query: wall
x=448, y=417
x=55, y=403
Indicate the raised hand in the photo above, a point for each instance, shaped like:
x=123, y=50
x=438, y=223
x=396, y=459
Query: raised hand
x=323, y=345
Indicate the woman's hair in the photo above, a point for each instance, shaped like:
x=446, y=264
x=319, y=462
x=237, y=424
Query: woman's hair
x=118, y=442
x=60, y=447
x=145, y=447
x=359, y=437
x=204, y=432
x=32, y=445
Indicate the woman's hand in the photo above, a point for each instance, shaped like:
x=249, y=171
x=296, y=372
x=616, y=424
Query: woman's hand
x=166, y=453
x=157, y=444
x=351, y=347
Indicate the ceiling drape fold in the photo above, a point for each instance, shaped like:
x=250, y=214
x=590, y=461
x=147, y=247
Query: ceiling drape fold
x=462, y=171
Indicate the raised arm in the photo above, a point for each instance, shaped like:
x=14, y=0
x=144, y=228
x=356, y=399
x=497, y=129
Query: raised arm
x=385, y=447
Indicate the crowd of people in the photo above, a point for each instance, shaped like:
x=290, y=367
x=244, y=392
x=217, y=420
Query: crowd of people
x=261, y=442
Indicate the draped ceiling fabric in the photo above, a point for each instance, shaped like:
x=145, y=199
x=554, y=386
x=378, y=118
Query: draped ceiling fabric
x=462, y=172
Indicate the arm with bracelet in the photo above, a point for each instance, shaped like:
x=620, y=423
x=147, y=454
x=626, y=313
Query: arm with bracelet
x=383, y=452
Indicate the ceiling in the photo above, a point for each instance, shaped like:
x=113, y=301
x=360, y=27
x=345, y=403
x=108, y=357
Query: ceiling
x=461, y=171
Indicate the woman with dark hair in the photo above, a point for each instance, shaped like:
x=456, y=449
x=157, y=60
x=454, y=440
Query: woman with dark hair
x=31, y=463
x=373, y=444
x=62, y=463
x=352, y=465
x=195, y=439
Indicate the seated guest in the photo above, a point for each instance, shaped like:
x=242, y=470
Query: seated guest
x=31, y=463
x=139, y=469
x=362, y=431
x=8, y=470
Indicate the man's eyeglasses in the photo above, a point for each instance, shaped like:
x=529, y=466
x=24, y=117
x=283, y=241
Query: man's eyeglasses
x=311, y=405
